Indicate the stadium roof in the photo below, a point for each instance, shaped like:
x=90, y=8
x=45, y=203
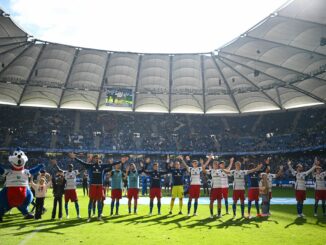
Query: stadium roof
x=279, y=63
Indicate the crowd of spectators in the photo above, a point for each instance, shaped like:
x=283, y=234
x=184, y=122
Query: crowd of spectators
x=92, y=130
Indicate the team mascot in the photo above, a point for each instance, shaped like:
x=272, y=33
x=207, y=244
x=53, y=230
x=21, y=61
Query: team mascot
x=16, y=191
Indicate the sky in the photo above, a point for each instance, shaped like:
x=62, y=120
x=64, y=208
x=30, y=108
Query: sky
x=145, y=26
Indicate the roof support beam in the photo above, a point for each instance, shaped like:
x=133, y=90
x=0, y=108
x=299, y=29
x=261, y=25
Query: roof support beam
x=301, y=20
x=271, y=64
x=31, y=73
x=103, y=80
x=13, y=43
x=284, y=83
x=170, y=83
x=9, y=50
x=140, y=58
x=283, y=44
x=16, y=58
x=202, y=67
x=278, y=96
x=68, y=76
x=252, y=83
x=226, y=83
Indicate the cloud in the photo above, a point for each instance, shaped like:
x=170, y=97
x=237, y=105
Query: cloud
x=142, y=25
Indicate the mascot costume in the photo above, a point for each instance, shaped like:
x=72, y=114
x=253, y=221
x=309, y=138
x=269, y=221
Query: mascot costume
x=16, y=191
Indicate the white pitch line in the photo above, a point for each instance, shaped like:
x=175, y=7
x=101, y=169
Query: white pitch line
x=30, y=236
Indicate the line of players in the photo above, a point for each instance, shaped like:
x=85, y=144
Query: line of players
x=259, y=183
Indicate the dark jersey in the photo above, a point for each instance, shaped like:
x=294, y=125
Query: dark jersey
x=253, y=180
x=58, y=185
x=95, y=171
x=177, y=176
x=155, y=178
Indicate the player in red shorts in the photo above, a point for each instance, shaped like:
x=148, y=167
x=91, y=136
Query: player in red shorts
x=217, y=186
x=132, y=176
x=116, y=185
x=300, y=185
x=320, y=189
x=70, y=187
x=155, y=185
x=194, y=189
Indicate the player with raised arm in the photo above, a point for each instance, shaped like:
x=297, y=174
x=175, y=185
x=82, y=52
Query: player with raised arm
x=155, y=185
x=132, y=176
x=300, y=185
x=220, y=183
x=320, y=188
x=194, y=188
x=70, y=176
x=95, y=172
x=253, y=189
x=239, y=185
x=177, y=181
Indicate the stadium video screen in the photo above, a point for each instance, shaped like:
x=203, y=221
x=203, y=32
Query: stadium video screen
x=119, y=97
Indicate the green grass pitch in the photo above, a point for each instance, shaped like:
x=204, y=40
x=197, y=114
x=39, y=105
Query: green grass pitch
x=283, y=227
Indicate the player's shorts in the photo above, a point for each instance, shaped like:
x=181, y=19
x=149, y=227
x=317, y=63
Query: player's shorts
x=253, y=194
x=132, y=193
x=96, y=192
x=219, y=193
x=194, y=191
x=116, y=193
x=71, y=195
x=177, y=191
x=155, y=192
x=270, y=195
x=300, y=195
x=238, y=194
x=320, y=195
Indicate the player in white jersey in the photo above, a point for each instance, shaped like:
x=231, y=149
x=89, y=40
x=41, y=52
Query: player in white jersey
x=219, y=183
x=320, y=189
x=300, y=185
x=70, y=176
x=239, y=185
x=194, y=189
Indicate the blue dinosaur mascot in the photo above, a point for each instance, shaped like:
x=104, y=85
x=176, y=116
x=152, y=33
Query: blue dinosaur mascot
x=16, y=191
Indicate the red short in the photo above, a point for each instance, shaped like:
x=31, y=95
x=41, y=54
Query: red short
x=320, y=194
x=270, y=195
x=16, y=196
x=132, y=193
x=116, y=194
x=253, y=194
x=238, y=194
x=155, y=192
x=219, y=193
x=300, y=195
x=71, y=195
x=194, y=191
x=96, y=192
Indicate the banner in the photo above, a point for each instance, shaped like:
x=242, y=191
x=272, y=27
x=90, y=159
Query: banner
x=119, y=97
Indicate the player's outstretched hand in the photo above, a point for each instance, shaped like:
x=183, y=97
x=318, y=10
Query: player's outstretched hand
x=232, y=159
x=124, y=159
x=187, y=158
x=289, y=162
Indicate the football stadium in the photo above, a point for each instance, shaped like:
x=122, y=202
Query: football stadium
x=120, y=147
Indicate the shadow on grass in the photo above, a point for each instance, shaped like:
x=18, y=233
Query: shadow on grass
x=302, y=221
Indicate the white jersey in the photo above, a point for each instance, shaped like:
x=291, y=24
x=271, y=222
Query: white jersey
x=16, y=178
x=320, y=181
x=239, y=179
x=70, y=178
x=40, y=190
x=195, y=175
x=300, y=183
x=219, y=178
x=270, y=178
